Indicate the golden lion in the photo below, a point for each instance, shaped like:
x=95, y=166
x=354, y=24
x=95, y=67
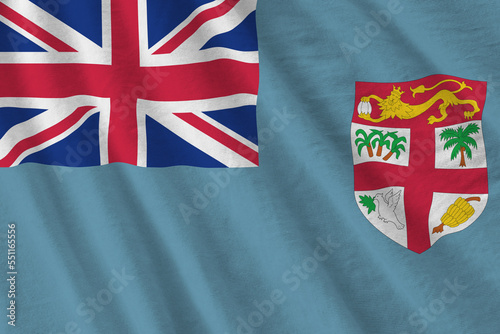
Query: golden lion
x=393, y=106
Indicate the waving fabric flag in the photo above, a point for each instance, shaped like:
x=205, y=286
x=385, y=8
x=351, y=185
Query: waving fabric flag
x=374, y=207
x=151, y=83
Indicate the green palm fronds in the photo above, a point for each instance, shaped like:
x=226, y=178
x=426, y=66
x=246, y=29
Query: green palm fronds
x=460, y=141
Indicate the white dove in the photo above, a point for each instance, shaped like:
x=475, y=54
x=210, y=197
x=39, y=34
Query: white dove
x=386, y=206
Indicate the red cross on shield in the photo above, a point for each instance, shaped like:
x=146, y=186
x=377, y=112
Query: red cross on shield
x=419, y=157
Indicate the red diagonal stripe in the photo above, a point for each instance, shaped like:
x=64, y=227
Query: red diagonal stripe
x=195, y=24
x=33, y=29
x=44, y=136
x=220, y=136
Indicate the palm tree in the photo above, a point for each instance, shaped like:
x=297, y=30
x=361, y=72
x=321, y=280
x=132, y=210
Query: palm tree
x=382, y=140
x=396, y=146
x=461, y=141
x=364, y=141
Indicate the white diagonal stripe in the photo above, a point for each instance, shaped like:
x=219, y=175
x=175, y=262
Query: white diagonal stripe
x=163, y=112
x=54, y=139
x=202, y=141
x=88, y=51
x=227, y=131
x=26, y=34
x=183, y=24
x=217, y=26
x=57, y=110
x=188, y=56
x=53, y=26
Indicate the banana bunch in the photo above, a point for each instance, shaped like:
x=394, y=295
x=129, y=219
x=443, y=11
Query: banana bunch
x=458, y=213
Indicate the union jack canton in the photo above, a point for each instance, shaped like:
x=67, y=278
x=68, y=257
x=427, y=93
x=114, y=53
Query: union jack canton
x=152, y=83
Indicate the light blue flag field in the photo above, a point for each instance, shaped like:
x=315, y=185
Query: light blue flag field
x=244, y=167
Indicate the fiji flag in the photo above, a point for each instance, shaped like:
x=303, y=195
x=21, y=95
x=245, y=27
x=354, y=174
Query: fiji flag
x=152, y=83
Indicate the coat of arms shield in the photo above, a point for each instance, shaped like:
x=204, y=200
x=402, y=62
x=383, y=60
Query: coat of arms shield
x=419, y=157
